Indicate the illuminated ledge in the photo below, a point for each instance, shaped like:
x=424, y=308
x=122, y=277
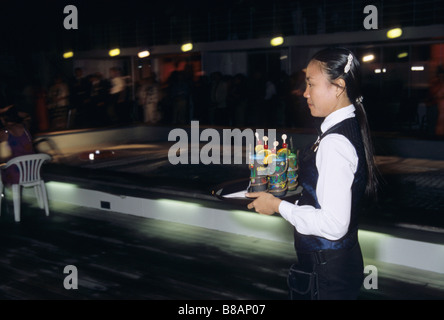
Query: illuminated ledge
x=376, y=246
x=234, y=221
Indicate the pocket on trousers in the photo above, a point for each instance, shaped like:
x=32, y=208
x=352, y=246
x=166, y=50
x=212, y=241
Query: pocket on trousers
x=302, y=285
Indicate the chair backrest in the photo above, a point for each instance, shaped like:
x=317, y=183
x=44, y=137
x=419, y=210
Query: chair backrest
x=29, y=166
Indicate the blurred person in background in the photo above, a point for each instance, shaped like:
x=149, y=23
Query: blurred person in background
x=218, y=108
x=18, y=138
x=78, y=96
x=437, y=93
x=96, y=113
x=148, y=95
x=117, y=93
x=58, y=104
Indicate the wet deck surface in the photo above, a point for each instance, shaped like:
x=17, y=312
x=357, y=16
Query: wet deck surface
x=123, y=257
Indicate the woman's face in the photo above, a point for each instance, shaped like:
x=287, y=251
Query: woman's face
x=320, y=93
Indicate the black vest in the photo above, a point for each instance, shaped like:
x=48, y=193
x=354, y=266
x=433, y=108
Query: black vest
x=308, y=178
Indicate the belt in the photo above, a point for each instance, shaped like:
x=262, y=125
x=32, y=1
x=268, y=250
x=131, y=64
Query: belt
x=322, y=256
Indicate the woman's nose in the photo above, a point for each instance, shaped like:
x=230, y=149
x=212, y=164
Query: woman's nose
x=306, y=94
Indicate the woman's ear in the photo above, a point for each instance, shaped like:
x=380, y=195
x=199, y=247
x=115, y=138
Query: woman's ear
x=340, y=83
x=340, y=87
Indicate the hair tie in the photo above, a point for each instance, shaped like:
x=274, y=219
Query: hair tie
x=348, y=65
x=359, y=99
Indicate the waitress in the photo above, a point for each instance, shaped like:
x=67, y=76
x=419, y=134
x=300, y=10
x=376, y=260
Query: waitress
x=335, y=173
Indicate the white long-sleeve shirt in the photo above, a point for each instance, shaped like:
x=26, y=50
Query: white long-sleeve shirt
x=337, y=162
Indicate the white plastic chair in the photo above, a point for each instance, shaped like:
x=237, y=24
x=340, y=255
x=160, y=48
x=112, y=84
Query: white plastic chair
x=29, y=176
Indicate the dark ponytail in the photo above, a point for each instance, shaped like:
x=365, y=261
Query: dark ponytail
x=372, y=172
x=341, y=63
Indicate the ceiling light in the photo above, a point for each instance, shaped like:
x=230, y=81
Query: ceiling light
x=68, y=55
x=143, y=54
x=277, y=41
x=394, y=33
x=187, y=47
x=114, y=52
x=369, y=57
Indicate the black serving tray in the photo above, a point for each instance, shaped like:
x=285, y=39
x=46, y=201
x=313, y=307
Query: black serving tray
x=230, y=187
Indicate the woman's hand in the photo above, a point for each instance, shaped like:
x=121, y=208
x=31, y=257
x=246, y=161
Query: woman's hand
x=265, y=203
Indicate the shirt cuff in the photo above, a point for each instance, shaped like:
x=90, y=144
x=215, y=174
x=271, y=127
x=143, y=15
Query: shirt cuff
x=285, y=209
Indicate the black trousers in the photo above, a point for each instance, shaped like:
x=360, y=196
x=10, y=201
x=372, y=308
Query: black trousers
x=340, y=277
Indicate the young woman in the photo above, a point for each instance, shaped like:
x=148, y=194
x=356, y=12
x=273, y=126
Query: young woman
x=335, y=173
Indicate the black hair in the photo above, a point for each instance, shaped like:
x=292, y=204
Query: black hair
x=341, y=63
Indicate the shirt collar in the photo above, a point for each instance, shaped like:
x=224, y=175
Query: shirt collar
x=338, y=116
